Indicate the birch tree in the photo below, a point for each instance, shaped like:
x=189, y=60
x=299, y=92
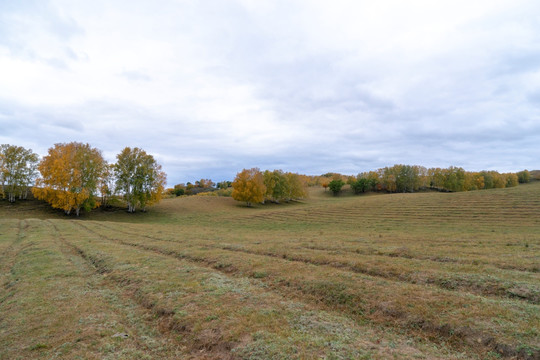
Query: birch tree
x=139, y=178
x=17, y=171
x=70, y=175
x=249, y=186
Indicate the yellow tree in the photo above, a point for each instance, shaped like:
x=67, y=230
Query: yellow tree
x=512, y=180
x=249, y=186
x=297, y=187
x=70, y=177
x=139, y=178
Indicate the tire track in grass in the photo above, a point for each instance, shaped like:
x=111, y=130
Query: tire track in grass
x=338, y=295
x=495, y=288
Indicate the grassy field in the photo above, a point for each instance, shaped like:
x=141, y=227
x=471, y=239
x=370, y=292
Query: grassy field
x=401, y=276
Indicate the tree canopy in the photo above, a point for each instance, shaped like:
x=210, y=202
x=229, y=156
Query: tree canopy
x=70, y=175
x=139, y=178
x=248, y=186
x=17, y=171
x=336, y=185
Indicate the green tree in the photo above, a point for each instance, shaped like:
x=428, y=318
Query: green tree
x=248, y=186
x=406, y=178
x=139, y=178
x=18, y=169
x=524, y=176
x=277, y=185
x=336, y=185
x=107, y=185
x=224, y=184
x=361, y=185
x=297, y=187
x=454, y=179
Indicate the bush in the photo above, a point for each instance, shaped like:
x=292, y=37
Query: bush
x=360, y=185
x=336, y=185
x=524, y=176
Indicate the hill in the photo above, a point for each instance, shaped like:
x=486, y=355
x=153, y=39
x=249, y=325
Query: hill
x=424, y=275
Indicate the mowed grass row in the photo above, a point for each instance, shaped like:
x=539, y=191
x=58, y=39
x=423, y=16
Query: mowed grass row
x=508, y=327
x=478, y=278
x=10, y=245
x=53, y=306
x=482, y=227
x=497, y=209
x=218, y=315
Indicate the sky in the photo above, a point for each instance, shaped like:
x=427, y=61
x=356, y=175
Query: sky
x=209, y=87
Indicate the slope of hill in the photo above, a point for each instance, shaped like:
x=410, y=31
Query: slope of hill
x=427, y=275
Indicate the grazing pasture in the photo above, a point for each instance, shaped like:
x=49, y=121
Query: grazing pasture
x=405, y=276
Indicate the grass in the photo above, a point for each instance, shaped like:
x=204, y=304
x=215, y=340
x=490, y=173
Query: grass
x=406, y=276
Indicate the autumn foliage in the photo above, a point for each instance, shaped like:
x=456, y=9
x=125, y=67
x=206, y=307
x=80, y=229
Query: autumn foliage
x=70, y=175
x=249, y=186
x=75, y=176
x=275, y=186
x=410, y=178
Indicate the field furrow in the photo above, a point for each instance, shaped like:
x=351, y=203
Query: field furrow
x=474, y=279
x=61, y=310
x=221, y=316
x=419, y=309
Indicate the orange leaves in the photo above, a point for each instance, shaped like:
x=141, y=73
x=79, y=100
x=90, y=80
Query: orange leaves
x=70, y=176
x=74, y=174
x=249, y=186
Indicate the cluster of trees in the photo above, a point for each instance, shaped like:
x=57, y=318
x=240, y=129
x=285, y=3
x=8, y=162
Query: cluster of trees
x=410, y=178
x=254, y=186
x=18, y=170
x=75, y=176
x=199, y=186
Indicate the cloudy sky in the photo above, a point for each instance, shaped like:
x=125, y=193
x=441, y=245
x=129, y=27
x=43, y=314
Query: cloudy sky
x=213, y=86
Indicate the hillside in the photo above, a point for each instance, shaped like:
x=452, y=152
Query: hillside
x=424, y=275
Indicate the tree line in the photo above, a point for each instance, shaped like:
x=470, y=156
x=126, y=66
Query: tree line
x=410, y=178
x=75, y=176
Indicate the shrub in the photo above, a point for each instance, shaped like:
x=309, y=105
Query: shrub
x=336, y=185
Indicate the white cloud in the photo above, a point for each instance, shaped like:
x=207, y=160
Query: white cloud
x=308, y=85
